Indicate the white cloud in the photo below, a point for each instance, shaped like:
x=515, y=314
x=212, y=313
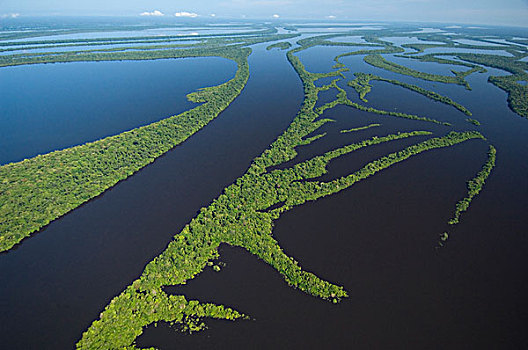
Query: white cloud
x=275, y=16
x=155, y=13
x=213, y=15
x=10, y=15
x=331, y=17
x=186, y=14
x=453, y=27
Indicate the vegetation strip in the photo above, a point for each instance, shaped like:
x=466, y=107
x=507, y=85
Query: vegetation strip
x=473, y=121
x=36, y=191
x=362, y=85
x=283, y=45
x=378, y=61
x=474, y=186
x=360, y=128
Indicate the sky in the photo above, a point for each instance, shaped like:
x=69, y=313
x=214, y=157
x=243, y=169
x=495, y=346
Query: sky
x=491, y=12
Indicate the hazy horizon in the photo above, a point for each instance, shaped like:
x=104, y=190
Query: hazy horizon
x=490, y=12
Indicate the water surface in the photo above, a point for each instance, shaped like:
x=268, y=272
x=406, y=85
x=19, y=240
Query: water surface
x=53, y=106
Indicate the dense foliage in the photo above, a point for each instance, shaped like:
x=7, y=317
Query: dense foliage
x=474, y=186
x=283, y=45
x=361, y=128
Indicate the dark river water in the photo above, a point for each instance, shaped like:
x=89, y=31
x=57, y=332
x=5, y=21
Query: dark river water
x=377, y=239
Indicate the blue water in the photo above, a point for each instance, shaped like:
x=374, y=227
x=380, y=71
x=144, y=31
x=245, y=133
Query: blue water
x=55, y=106
x=320, y=59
